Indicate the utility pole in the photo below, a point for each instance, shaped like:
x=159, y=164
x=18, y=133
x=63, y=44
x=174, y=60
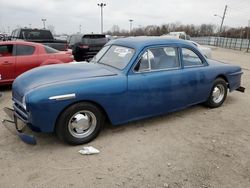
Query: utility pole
x=130, y=29
x=248, y=27
x=223, y=17
x=43, y=20
x=101, y=5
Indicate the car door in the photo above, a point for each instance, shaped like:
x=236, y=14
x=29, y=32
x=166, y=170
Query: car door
x=156, y=84
x=7, y=62
x=26, y=58
x=195, y=81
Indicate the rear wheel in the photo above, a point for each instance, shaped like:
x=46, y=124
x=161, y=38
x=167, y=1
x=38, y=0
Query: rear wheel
x=80, y=123
x=218, y=93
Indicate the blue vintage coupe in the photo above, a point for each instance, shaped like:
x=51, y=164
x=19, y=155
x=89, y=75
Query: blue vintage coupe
x=129, y=79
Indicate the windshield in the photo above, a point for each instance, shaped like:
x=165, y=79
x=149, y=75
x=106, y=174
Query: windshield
x=115, y=56
x=97, y=57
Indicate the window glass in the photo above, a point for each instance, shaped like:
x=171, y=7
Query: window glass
x=117, y=56
x=94, y=39
x=159, y=58
x=50, y=50
x=143, y=64
x=24, y=50
x=6, y=50
x=190, y=58
x=97, y=57
x=36, y=34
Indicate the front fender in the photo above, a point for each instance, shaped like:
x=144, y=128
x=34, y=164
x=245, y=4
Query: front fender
x=44, y=109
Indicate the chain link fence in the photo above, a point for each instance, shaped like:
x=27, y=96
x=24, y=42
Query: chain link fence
x=231, y=43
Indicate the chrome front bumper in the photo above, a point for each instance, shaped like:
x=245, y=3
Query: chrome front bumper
x=19, y=124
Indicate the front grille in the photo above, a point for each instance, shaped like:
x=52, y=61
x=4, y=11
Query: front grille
x=20, y=111
x=17, y=96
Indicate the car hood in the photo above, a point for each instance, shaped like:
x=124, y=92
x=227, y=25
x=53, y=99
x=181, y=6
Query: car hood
x=52, y=74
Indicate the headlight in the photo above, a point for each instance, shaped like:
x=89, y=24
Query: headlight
x=24, y=102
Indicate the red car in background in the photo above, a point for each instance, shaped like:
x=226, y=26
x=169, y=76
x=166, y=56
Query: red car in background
x=16, y=57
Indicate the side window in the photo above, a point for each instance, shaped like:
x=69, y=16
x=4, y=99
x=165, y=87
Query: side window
x=158, y=58
x=190, y=58
x=24, y=50
x=6, y=50
x=50, y=50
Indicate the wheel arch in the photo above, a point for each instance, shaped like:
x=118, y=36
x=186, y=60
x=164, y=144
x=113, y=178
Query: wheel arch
x=224, y=78
x=87, y=101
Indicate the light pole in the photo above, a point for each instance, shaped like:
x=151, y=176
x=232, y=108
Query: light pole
x=43, y=20
x=130, y=29
x=80, y=29
x=248, y=27
x=101, y=5
x=221, y=21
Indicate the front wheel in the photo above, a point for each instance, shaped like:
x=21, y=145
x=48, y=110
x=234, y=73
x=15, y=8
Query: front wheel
x=218, y=93
x=80, y=123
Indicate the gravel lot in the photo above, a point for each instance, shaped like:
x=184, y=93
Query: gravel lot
x=196, y=147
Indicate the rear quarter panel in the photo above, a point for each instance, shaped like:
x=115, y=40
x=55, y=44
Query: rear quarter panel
x=231, y=73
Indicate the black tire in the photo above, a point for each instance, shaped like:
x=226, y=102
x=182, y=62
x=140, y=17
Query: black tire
x=221, y=85
x=87, y=112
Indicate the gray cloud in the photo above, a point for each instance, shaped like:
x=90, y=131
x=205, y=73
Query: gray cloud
x=66, y=16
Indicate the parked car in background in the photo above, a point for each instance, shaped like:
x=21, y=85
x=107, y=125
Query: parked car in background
x=3, y=37
x=43, y=36
x=85, y=47
x=16, y=57
x=129, y=79
x=207, y=52
x=178, y=35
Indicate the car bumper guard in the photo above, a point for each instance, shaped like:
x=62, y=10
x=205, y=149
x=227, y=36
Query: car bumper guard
x=19, y=125
x=241, y=89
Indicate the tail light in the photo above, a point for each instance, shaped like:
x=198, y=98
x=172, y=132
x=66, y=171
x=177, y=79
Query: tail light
x=83, y=46
x=66, y=47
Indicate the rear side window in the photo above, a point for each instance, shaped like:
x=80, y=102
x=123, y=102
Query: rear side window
x=50, y=50
x=190, y=58
x=6, y=50
x=24, y=50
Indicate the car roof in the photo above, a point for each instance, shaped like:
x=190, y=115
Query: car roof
x=20, y=42
x=142, y=42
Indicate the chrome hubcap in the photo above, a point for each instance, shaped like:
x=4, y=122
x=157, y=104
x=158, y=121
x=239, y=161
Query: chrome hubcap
x=82, y=124
x=218, y=93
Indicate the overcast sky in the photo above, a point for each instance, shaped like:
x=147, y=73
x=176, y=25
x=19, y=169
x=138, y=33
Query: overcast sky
x=67, y=15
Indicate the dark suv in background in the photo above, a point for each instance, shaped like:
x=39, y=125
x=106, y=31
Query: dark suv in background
x=85, y=47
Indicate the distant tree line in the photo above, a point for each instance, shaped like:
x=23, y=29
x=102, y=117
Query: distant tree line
x=190, y=29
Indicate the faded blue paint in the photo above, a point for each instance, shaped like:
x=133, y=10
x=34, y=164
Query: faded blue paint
x=123, y=94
